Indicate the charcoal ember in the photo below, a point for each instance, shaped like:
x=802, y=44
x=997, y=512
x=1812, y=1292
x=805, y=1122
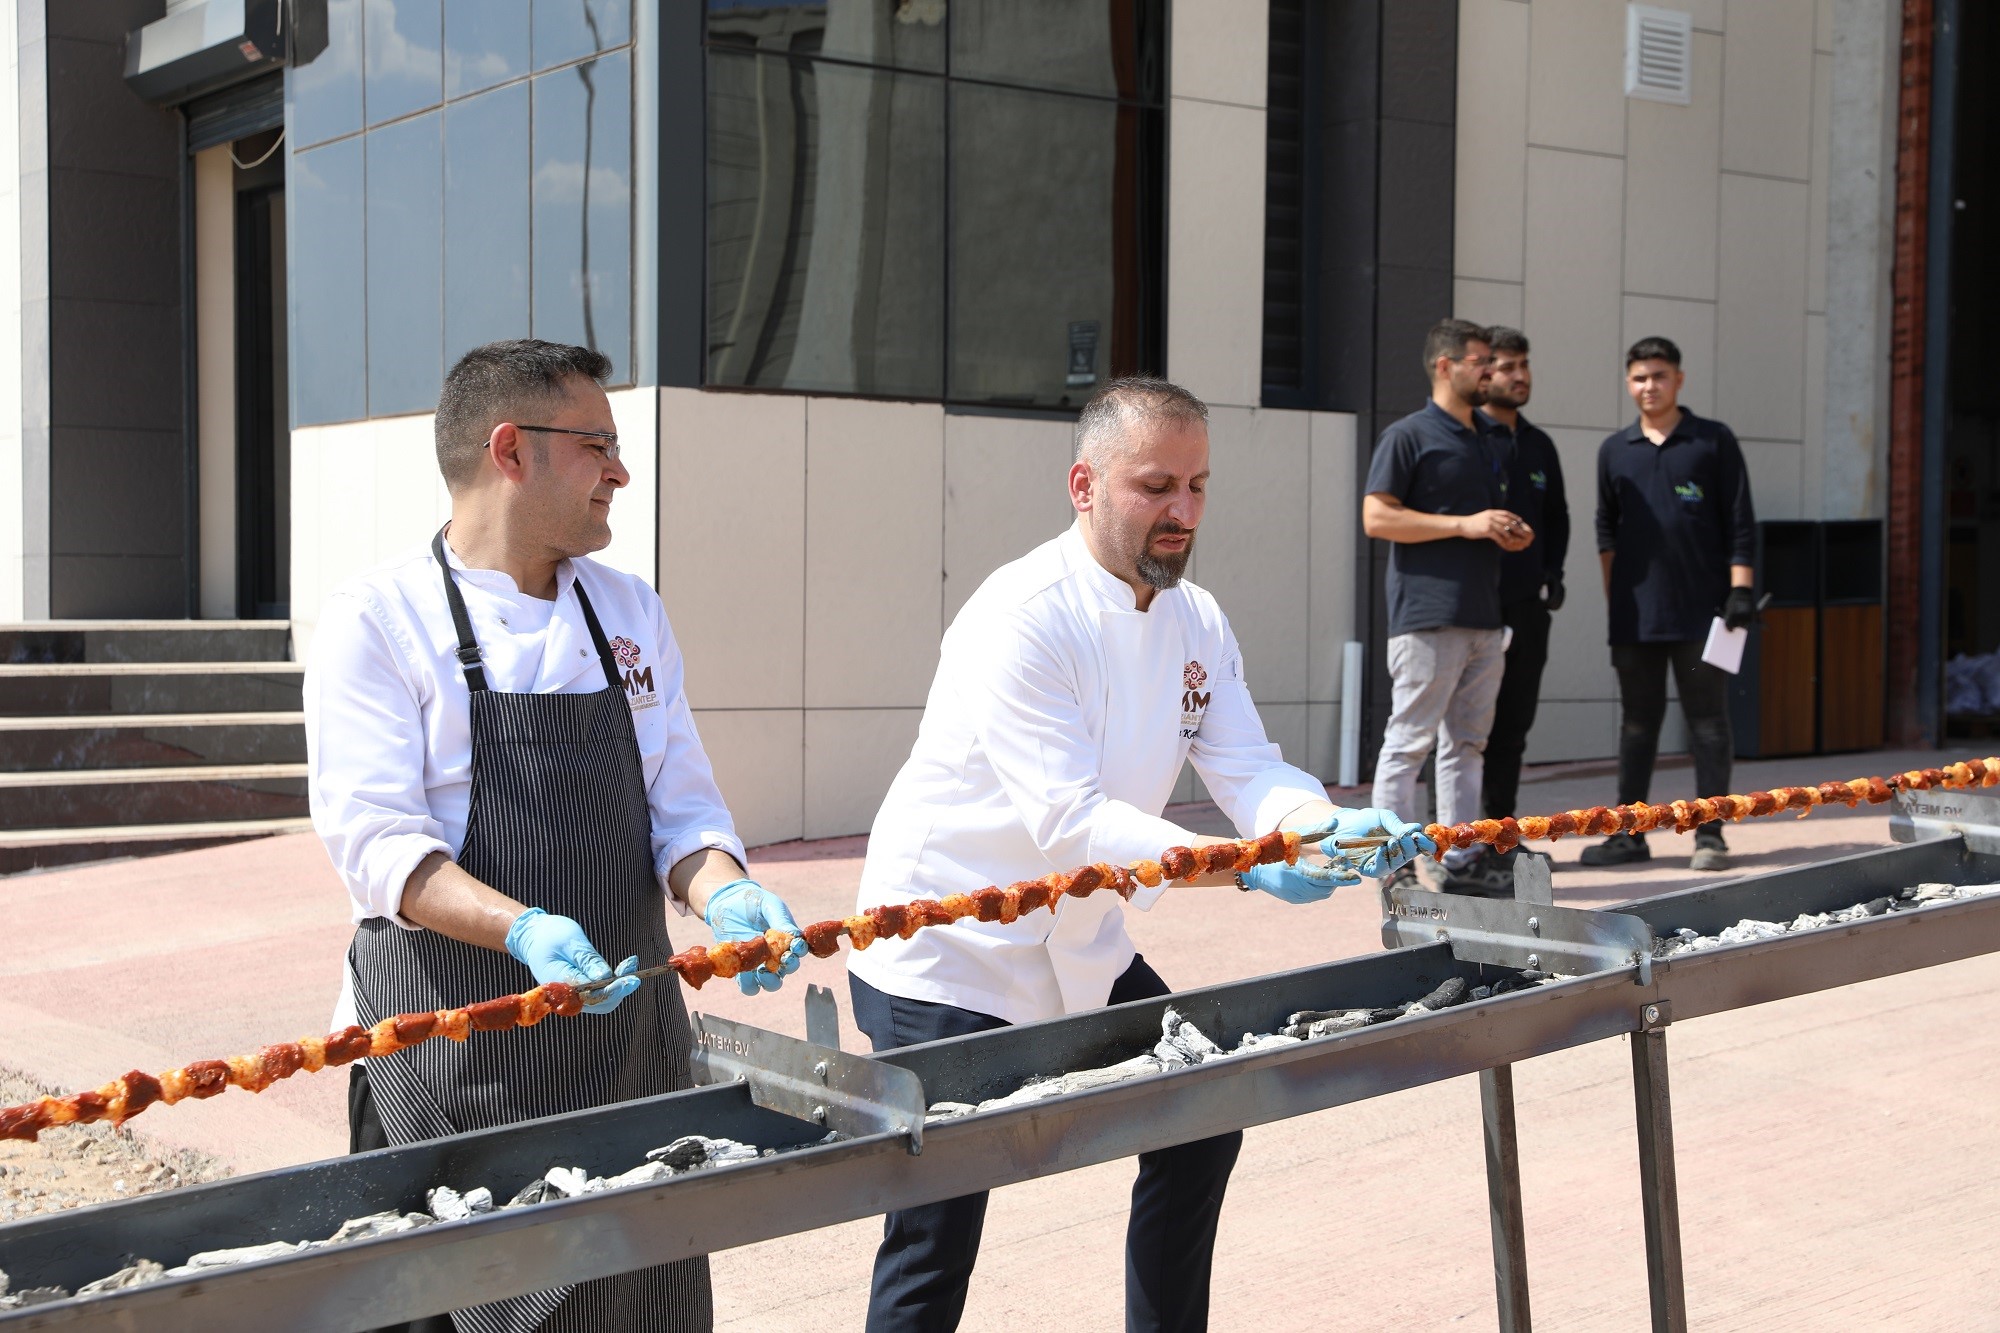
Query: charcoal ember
x=1384, y=1015
x=448, y=1205
x=1344, y=1021
x=1875, y=906
x=135, y=1274
x=693, y=1152
x=378, y=1224
x=535, y=1191
x=646, y=1173
x=1482, y=993
x=948, y=1111
x=1181, y=1042
x=1452, y=992
x=242, y=1254
x=20, y=1300
x=1505, y=985
x=1305, y=1018
x=1533, y=976
x=1261, y=1041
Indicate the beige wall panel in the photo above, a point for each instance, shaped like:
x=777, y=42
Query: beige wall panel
x=1567, y=729
x=1487, y=302
x=758, y=758
x=1823, y=27
x=1004, y=494
x=1816, y=233
x=1760, y=332
x=1708, y=15
x=1776, y=478
x=1215, y=251
x=874, y=552
x=407, y=488
x=1576, y=78
x=1254, y=540
x=1579, y=664
x=1767, y=88
x=1670, y=185
x=1571, y=306
x=1691, y=327
x=852, y=755
x=1491, y=198
x=1221, y=51
x=333, y=524
x=1336, y=514
x=1322, y=742
x=733, y=543
x=1812, y=464
x=635, y=514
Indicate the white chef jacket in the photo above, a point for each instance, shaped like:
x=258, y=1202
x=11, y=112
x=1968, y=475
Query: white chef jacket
x=1054, y=733
x=389, y=725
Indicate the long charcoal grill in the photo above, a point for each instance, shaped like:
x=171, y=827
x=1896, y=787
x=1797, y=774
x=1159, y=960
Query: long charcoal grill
x=890, y=1159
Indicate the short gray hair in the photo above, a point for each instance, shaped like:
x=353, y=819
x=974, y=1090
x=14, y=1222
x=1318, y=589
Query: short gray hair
x=1127, y=402
x=493, y=383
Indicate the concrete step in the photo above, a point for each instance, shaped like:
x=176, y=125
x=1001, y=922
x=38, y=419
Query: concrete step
x=48, y=801
x=33, y=849
x=150, y=740
x=62, y=689
x=145, y=641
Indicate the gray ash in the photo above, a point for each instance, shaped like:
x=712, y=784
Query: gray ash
x=1750, y=929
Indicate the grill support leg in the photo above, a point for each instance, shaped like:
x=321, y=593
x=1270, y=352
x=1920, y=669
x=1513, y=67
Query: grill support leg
x=1503, y=1197
x=1658, y=1190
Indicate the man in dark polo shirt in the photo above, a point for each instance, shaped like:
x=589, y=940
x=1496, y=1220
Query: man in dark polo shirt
x=1531, y=580
x=1437, y=490
x=1677, y=535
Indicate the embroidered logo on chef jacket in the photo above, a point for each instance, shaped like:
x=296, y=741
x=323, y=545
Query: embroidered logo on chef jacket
x=639, y=691
x=1194, y=699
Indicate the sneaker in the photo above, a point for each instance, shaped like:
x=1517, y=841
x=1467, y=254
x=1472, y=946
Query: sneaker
x=1620, y=849
x=1488, y=875
x=1710, y=852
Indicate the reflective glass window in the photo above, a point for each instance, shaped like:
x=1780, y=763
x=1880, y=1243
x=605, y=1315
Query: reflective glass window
x=1038, y=238
x=1109, y=47
x=486, y=219
x=485, y=43
x=826, y=240
x=326, y=94
x=329, y=377
x=904, y=34
x=405, y=43
x=582, y=193
x=568, y=30
x=405, y=220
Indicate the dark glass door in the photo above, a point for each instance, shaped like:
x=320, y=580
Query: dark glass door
x=263, y=430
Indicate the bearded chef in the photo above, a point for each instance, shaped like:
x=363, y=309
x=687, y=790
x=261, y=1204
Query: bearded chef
x=1071, y=689
x=505, y=773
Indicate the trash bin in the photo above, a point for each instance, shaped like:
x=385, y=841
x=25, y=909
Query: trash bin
x=1851, y=636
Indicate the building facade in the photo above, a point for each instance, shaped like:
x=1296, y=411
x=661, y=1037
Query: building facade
x=857, y=262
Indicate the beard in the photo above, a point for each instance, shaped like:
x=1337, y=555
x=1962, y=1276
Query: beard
x=1165, y=571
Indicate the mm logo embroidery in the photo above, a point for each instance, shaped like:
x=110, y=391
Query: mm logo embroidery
x=1194, y=700
x=639, y=690
x=1690, y=491
x=1540, y=480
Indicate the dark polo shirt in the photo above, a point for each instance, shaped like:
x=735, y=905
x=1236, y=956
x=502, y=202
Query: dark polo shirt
x=1676, y=515
x=1535, y=492
x=1436, y=466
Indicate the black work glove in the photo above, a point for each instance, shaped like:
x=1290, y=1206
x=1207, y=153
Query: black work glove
x=1552, y=594
x=1741, y=608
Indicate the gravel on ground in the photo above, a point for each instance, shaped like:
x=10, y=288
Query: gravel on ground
x=84, y=1164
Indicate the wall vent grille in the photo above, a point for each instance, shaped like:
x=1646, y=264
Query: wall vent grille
x=1659, y=54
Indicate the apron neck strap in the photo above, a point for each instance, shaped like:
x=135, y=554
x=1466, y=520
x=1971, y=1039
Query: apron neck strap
x=604, y=658
x=468, y=646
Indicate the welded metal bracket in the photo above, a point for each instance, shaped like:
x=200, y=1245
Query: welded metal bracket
x=846, y=1093
x=822, y=1017
x=1517, y=934
x=1916, y=816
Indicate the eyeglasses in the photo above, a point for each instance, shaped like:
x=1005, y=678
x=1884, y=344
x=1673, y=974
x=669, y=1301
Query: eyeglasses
x=607, y=451
x=1476, y=362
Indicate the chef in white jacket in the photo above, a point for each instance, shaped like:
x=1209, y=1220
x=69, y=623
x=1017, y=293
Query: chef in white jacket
x=1069, y=692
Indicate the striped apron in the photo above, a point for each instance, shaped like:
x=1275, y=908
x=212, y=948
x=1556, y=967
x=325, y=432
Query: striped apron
x=559, y=820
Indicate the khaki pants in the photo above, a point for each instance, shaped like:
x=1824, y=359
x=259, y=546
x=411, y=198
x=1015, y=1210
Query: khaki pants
x=1446, y=682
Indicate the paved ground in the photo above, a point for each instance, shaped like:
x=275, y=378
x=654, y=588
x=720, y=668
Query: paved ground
x=1827, y=1144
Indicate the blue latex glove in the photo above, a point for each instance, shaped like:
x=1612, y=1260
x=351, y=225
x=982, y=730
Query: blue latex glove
x=1302, y=883
x=1408, y=839
x=555, y=948
x=743, y=909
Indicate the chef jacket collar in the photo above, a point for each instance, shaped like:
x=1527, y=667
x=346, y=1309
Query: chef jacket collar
x=495, y=580
x=1095, y=576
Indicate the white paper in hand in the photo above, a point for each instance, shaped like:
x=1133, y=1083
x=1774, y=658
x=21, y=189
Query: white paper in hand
x=1724, y=648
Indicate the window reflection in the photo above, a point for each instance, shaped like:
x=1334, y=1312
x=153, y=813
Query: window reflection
x=572, y=29
x=405, y=57
x=326, y=94
x=329, y=330
x=485, y=220
x=485, y=43
x=1077, y=47
x=906, y=34
x=826, y=242
x=582, y=188
x=405, y=224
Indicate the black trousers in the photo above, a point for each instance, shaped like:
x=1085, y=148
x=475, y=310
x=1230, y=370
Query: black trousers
x=1514, y=710
x=1642, y=691
x=927, y=1254
x=365, y=1134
